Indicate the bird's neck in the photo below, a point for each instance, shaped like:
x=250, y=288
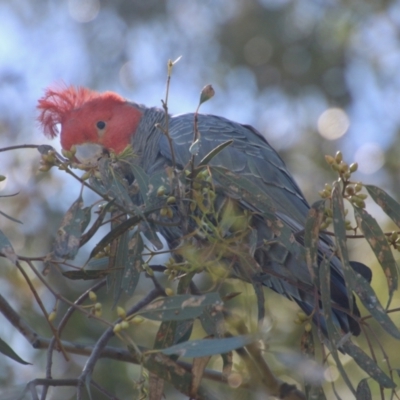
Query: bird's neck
x=146, y=140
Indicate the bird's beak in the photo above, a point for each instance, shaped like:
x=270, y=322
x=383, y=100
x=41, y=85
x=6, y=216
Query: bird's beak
x=89, y=153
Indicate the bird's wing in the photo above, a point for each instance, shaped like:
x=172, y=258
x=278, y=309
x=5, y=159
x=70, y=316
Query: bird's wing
x=250, y=155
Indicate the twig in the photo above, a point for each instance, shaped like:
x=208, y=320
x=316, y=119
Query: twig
x=106, y=336
x=21, y=146
x=61, y=326
x=39, y=301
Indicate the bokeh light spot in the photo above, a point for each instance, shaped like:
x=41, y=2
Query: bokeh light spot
x=83, y=10
x=370, y=158
x=333, y=123
x=331, y=374
x=257, y=51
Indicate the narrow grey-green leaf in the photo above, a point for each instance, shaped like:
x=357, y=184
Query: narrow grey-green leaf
x=340, y=237
x=133, y=267
x=365, y=362
x=333, y=333
x=370, y=301
x=180, y=307
x=84, y=274
x=311, y=238
x=68, y=236
x=114, y=233
x=209, y=347
x=388, y=204
x=9, y=352
x=215, y=151
x=121, y=263
x=363, y=390
x=379, y=245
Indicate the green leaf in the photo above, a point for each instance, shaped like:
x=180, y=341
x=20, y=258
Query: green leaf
x=121, y=263
x=115, y=233
x=380, y=246
x=114, y=185
x=7, y=249
x=340, y=237
x=133, y=267
x=311, y=238
x=370, y=301
x=363, y=390
x=9, y=352
x=180, y=307
x=389, y=205
x=209, y=347
x=171, y=372
x=68, y=236
x=368, y=365
x=333, y=333
x=85, y=274
x=214, y=152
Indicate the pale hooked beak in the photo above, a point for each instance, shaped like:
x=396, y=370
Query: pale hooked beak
x=89, y=153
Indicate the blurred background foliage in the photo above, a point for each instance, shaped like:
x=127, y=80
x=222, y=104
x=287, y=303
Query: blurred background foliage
x=313, y=76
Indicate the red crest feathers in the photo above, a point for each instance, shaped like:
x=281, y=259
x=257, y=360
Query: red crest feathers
x=56, y=105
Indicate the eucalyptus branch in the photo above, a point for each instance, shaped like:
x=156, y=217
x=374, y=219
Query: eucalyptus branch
x=107, y=335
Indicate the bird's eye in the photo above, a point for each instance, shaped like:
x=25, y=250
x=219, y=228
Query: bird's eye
x=101, y=124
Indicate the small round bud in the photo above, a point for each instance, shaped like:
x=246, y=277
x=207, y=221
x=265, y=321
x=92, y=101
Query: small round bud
x=86, y=175
x=164, y=211
x=45, y=167
x=330, y=160
x=124, y=325
x=121, y=312
x=137, y=320
x=117, y=328
x=98, y=313
x=362, y=196
x=97, y=306
x=353, y=167
x=308, y=327
x=343, y=167
x=302, y=316
x=2, y=178
x=92, y=296
x=161, y=191
x=171, y=200
x=52, y=316
x=335, y=167
x=358, y=186
x=350, y=190
x=338, y=157
x=169, y=292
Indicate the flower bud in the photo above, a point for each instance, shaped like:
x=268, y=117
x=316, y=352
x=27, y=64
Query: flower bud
x=124, y=325
x=92, y=296
x=330, y=160
x=353, y=167
x=121, y=312
x=338, y=157
x=52, y=316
